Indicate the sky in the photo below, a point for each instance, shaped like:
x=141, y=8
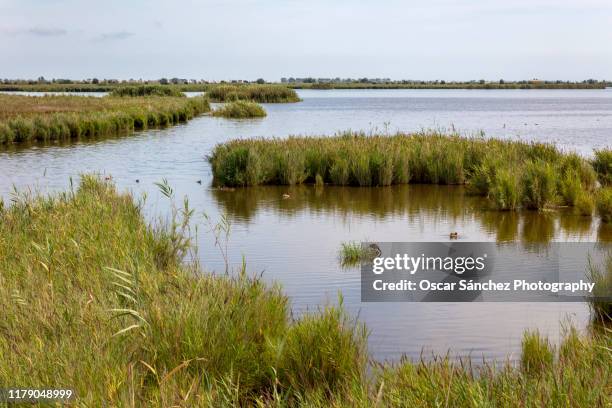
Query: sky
x=248, y=39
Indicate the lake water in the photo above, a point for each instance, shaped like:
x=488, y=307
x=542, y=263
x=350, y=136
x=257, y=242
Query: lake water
x=295, y=241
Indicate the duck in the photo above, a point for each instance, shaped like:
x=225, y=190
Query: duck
x=138, y=181
x=199, y=181
x=375, y=250
x=454, y=235
x=286, y=196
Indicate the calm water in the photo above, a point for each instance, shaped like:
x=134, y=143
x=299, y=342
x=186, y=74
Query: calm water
x=295, y=241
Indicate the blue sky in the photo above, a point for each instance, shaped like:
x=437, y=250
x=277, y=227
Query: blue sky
x=243, y=39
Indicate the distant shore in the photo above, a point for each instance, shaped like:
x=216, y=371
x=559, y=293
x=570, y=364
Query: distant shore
x=202, y=86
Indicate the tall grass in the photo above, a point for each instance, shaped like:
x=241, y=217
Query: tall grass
x=111, y=313
x=601, y=300
x=577, y=374
x=255, y=93
x=537, y=355
x=352, y=253
x=240, y=110
x=51, y=118
x=603, y=165
x=513, y=174
x=603, y=202
x=146, y=90
x=584, y=204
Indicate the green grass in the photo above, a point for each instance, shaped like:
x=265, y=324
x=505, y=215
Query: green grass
x=352, y=253
x=539, y=184
x=577, y=374
x=504, y=190
x=603, y=202
x=603, y=165
x=112, y=313
x=512, y=174
x=146, y=90
x=56, y=118
x=537, y=356
x=255, y=93
x=584, y=204
x=240, y=110
x=601, y=300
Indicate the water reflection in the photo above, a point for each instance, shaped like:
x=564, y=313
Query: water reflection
x=377, y=202
x=427, y=204
x=504, y=224
x=604, y=232
x=576, y=225
x=538, y=227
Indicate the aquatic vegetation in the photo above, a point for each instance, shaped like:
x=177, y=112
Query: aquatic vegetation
x=570, y=187
x=584, y=204
x=56, y=118
x=336, y=353
x=240, y=110
x=601, y=300
x=537, y=353
x=578, y=365
x=574, y=177
x=505, y=190
x=539, y=185
x=255, y=93
x=603, y=202
x=352, y=253
x=118, y=318
x=98, y=310
x=603, y=165
x=512, y=174
x=146, y=90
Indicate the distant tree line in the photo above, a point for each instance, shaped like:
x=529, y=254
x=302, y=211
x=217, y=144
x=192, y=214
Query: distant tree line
x=96, y=81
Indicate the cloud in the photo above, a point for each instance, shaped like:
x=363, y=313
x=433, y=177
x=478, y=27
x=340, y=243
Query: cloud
x=36, y=31
x=115, y=35
x=47, y=32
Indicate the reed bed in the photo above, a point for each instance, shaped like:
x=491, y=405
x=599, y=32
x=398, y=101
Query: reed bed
x=240, y=110
x=57, y=118
x=603, y=166
x=548, y=376
x=352, y=253
x=76, y=87
x=146, y=90
x=603, y=202
x=512, y=174
x=112, y=313
x=255, y=93
x=601, y=300
x=115, y=316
